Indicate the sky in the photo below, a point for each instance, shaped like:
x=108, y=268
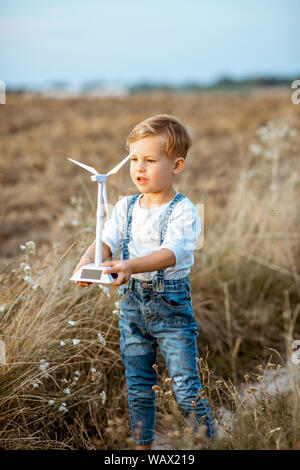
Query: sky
x=129, y=41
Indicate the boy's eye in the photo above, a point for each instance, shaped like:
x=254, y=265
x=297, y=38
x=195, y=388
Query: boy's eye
x=133, y=159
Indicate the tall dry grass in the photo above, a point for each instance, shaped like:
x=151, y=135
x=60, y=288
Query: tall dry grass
x=63, y=385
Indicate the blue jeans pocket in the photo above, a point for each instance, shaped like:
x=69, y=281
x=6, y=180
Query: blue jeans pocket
x=174, y=308
x=178, y=300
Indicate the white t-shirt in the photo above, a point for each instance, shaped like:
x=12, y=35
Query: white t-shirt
x=183, y=230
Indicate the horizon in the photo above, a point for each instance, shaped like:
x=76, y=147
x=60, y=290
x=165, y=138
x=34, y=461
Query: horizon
x=94, y=84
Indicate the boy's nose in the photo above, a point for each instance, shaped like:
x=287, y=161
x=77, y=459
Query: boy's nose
x=140, y=167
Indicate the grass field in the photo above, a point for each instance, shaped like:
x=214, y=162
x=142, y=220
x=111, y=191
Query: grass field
x=62, y=384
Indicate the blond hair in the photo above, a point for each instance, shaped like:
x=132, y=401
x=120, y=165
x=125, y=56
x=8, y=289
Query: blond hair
x=178, y=138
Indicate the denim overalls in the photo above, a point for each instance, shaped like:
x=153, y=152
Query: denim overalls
x=153, y=313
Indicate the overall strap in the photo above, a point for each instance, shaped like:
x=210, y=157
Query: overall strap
x=125, y=253
x=163, y=230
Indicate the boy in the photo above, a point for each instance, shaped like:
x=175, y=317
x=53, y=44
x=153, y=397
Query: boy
x=157, y=230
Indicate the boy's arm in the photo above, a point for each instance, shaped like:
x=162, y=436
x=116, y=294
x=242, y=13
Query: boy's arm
x=161, y=259
x=112, y=234
x=90, y=253
x=89, y=257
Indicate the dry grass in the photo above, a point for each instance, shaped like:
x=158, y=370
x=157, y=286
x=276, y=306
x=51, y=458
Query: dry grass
x=59, y=393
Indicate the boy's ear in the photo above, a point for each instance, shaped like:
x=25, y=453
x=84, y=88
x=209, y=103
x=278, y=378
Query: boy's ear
x=178, y=165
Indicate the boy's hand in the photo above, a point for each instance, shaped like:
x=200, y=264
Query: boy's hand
x=81, y=263
x=122, y=268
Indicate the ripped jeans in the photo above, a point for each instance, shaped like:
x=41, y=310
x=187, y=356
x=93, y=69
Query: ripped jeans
x=149, y=319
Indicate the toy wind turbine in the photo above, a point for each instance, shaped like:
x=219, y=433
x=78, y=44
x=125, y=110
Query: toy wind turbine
x=93, y=272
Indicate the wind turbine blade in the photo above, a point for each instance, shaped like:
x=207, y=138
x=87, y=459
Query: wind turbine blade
x=105, y=200
x=86, y=167
x=117, y=168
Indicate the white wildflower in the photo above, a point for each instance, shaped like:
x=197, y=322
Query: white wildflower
x=75, y=223
x=116, y=312
x=28, y=279
x=63, y=407
x=263, y=133
x=256, y=149
x=62, y=343
x=93, y=369
x=76, y=341
x=64, y=380
x=2, y=308
x=75, y=379
x=117, y=304
x=105, y=289
x=31, y=248
x=26, y=268
x=101, y=339
x=51, y=402
x=67, y=391
x=77, y=372
x=44, y=364
x=35, y=385
x=103, y=396
x=72, y=323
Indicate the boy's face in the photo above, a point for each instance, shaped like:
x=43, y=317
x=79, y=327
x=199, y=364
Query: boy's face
x=150, y=169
